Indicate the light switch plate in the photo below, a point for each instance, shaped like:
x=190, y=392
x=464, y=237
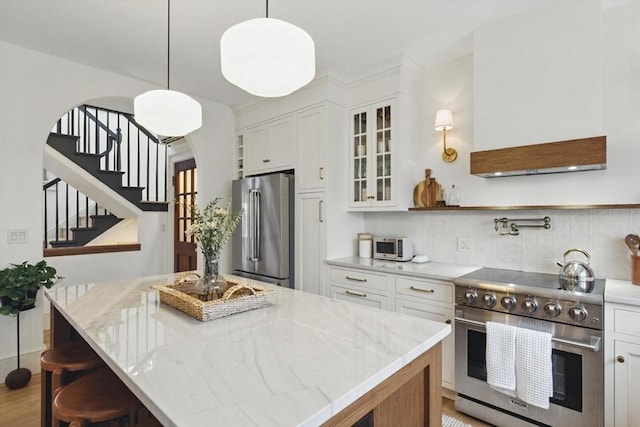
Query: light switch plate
x=465, y=244
x=17, y=236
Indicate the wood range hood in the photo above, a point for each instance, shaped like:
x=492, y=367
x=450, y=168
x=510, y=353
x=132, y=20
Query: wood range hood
x=553, y=157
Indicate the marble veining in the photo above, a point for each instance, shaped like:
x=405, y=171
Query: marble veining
x=296, y=362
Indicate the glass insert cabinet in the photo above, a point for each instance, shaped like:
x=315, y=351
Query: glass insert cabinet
x=371, y=151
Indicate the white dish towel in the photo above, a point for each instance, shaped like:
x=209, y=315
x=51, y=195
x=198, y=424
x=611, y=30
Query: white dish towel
x=500, y=355
x=533, y=367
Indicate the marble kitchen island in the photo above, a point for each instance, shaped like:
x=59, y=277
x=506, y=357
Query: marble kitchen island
x=303, y=360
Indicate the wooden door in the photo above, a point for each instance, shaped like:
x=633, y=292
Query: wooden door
x=185, y=188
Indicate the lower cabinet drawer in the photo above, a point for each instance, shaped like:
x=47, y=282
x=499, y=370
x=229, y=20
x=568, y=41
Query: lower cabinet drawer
x=359, y=296
x=626, y=322
x=359, y=278
x=426, y=289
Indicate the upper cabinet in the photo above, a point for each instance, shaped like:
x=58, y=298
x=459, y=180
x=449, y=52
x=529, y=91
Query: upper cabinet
x=372, y=154
x=269, y=147
x=311, y=125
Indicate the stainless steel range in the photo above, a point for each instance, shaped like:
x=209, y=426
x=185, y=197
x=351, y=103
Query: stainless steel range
x=534, y=301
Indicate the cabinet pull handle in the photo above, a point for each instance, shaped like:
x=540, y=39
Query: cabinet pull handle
x=448, y=321
x=265, y=160
x=428, y=291
x=321, y=173
x=355, y=279
x=371, y=197
x=620, y=359
x=320, y=204
x=355, y=294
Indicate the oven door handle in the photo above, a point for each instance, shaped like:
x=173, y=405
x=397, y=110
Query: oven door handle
x=594, y=344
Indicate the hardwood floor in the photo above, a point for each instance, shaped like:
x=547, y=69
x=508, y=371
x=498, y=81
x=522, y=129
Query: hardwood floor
x=448, y=409
x=21, y=408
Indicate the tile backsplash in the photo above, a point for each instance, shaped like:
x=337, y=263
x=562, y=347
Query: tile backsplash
x=600, y=232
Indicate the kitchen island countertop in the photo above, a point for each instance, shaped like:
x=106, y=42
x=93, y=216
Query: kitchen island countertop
x=297, y=362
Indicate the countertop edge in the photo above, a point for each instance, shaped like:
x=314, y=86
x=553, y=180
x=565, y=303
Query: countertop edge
x=443, y=271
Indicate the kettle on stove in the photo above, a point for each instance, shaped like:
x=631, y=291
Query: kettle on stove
x=576, y=275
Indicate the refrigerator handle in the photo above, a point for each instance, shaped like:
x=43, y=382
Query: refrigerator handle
x=254, y=224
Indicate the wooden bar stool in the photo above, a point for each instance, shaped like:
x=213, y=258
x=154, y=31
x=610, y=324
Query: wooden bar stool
x=59, y=366
x=93, y=398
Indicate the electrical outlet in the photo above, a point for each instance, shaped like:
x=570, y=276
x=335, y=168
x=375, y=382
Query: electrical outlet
x=465, y=244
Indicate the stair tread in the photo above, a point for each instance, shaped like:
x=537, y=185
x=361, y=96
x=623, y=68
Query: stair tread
x=107, y=172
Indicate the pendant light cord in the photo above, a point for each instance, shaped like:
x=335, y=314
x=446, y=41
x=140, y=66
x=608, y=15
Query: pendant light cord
x=267, y=8
x=168, y=40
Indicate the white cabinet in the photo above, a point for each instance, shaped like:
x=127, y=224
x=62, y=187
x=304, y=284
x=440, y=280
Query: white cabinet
x=311, y=142
x=627, y=384
x=432, y=300
x=426, y=298
x=269, y=147
x=622, y=365
x=372, y=153
x=310, y=241
x=358, y=286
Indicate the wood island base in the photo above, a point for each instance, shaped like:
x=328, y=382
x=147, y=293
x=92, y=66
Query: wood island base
x=413, y=395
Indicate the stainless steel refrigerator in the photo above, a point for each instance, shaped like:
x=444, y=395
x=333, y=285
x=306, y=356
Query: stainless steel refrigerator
x=263, y=240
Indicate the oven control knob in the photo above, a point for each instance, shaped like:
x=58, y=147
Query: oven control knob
x=529, y=305
x=470, y=297
x=489, y=300
x=509, y=303
x=577, y=314
x=552, y=309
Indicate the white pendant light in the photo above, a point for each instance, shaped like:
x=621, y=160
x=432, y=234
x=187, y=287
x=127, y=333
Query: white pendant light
x=267, y=57
x=167, y=112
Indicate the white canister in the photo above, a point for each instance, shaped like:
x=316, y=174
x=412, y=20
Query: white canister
x=365, y=245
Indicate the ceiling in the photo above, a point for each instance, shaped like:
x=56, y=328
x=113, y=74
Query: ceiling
x=129, y=37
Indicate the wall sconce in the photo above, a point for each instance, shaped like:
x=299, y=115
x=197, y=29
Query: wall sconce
x=444, y=122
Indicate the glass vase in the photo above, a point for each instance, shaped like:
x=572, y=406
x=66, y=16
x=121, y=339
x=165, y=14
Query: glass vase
x=212, y=284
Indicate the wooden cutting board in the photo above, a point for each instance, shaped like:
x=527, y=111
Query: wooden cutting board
x=425, y=194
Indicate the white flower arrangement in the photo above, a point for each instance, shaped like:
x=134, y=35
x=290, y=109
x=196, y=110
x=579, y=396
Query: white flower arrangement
x=212, y=226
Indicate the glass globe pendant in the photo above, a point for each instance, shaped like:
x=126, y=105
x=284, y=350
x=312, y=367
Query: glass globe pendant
x=167, y=112
x=267, y=57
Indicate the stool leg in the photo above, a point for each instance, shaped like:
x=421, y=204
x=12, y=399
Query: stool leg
x=81, y=422
x=58, y=379
x=46, y=399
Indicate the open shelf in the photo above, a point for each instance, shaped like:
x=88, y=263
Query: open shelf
x=530, y=207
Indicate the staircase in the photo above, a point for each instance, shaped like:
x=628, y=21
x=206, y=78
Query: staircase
x=123, y=164
x=66, y=145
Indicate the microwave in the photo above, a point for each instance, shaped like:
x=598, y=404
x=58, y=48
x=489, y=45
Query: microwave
x=393, y=248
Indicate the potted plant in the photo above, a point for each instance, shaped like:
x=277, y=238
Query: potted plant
x=19, y=285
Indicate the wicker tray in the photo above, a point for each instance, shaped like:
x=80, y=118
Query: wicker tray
x=237, y=298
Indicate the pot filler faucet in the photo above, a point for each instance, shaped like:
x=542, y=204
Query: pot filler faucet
x=513, y=228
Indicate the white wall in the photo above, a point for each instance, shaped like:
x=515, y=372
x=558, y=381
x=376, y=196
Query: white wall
x=538, y=76
x=36, y=90
x=610, y=110
x=600, y=232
